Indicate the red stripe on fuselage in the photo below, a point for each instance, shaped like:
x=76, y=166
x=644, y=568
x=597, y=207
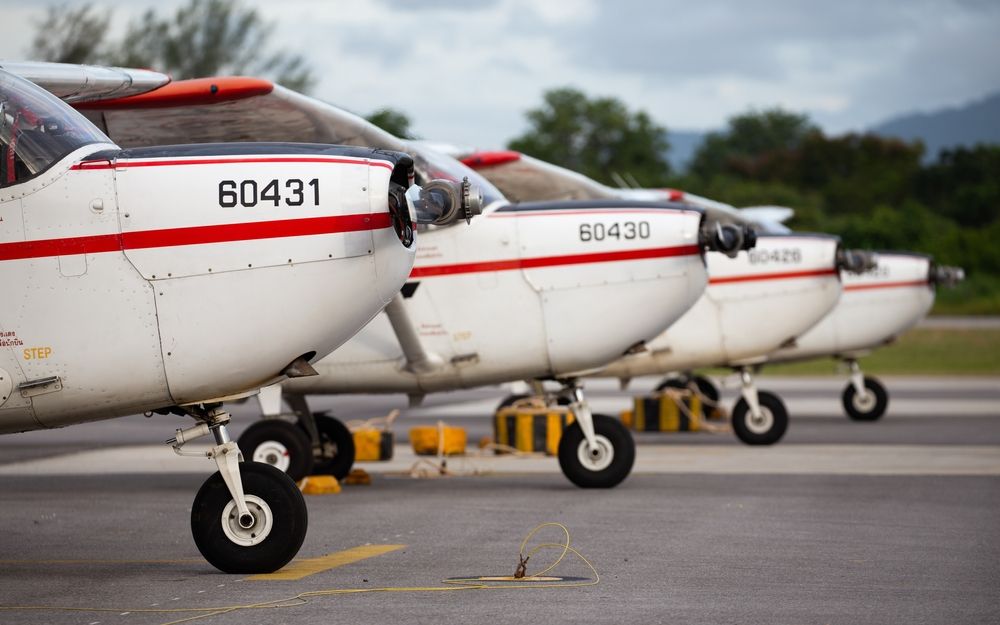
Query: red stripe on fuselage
x=787, y=275
x=104, y=164
x=553, y=261
x=197, y=235
x=588, y=211
x=885, y=285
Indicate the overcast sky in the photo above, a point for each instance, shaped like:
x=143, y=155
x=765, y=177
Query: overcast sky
x=466, y=70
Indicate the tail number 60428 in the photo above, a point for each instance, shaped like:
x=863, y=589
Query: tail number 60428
x=627, y=230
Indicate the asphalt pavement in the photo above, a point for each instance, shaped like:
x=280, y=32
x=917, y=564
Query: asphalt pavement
x=841, y=522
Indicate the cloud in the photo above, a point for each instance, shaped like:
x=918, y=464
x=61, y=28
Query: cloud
x=466, y=71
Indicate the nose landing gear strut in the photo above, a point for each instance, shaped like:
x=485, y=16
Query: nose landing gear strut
x=864, y=398
x=759, y=417
x=248, y=517
x=595, y=451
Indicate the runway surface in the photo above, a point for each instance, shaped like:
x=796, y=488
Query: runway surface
x=841, y=522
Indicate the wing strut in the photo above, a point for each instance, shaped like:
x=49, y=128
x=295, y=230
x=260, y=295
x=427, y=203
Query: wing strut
x=418, y=359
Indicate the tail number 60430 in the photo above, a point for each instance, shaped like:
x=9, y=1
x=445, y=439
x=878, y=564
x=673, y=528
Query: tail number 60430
x=247, y=193
x=618, y=230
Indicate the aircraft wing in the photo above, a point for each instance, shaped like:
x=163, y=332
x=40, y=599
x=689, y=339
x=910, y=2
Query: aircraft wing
x=80, y=83
x=523, y=178
x=772, y=218
x=237, y=108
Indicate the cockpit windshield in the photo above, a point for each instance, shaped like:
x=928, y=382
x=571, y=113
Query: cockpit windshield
x=430, y=165
x=37, y=129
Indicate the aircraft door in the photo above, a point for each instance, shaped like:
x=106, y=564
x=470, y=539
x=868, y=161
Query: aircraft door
x=113, y=325
x=15, y=410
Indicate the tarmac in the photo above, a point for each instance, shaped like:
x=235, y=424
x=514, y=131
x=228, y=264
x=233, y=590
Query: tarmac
x=840, y=522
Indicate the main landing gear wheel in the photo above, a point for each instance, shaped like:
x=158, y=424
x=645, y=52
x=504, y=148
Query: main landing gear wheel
x=768, y=427
x=707, y=388
x=603, y=467
x=510, y=400
x=281, y=444
x=868, y=407
x=666, y=383
x=336, y=448
x=264, y=541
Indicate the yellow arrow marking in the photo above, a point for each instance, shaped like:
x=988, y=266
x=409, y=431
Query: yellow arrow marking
x=305, y=567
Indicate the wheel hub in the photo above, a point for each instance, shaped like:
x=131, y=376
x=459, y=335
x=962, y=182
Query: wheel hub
x=247, y=530
x=598, y=457
x=864, y=402
x=274, y=454
x=761, y=423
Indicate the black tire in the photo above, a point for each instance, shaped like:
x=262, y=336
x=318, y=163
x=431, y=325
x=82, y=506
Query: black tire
x=509, y=400
x=775, y=420
x=287, y=515
x=666, y=383
x=336, y=454
x=268, y=440
x=873, y=409
x=707, y=388
x=613, y=433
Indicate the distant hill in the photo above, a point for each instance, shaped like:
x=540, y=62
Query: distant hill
x=966, y=125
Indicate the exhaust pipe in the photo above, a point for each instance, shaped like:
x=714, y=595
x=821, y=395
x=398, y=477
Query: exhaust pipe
x=442, y=202
x=856, y=261
x=944, y=275
x=730, y=239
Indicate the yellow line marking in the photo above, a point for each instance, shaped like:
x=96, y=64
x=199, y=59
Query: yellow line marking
x=99, y=562
x=298, y=569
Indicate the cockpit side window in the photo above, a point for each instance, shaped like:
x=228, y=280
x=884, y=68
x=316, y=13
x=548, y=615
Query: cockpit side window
x=37, y=129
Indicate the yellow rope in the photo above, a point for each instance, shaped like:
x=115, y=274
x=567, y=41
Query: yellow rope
x=449, y=585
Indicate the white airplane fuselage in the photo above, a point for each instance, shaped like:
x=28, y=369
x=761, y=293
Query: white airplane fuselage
x=132, y=279
x=876, y=307
x=754, y=303
x=529, y=291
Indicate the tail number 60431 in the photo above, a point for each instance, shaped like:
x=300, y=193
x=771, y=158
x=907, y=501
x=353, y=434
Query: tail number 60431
x=618, y=230
x=247, y=193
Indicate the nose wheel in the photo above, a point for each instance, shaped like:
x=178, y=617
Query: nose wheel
x=595, y=451
x=263, y=540
x=604, y=464
x=759, y=417
x=249, y=517
x=864, y=398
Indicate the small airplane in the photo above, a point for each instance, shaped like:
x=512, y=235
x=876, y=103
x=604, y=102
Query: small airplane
x=530, y=290
x=755, y=302
x=893, y=291
x=877, y=306
x=123, y=270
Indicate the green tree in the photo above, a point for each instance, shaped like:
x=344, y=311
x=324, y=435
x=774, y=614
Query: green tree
x=68, y=35
x=964, y=185
x=597, y=137
x=751, y=141
x=392, y=121
x=853, y=172
x=873, y=191
x=202, y=38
